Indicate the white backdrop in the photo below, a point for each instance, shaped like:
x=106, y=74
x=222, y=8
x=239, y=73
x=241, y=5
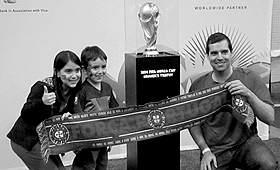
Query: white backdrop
x=248, y=25
x=30, y=39
x=32, y=32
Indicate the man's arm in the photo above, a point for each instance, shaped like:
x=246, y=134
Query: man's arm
x=262, y=110
x=197, y=136
x=208, y=156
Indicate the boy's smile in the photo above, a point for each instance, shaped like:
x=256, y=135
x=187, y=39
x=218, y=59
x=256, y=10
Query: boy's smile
x=96, y=70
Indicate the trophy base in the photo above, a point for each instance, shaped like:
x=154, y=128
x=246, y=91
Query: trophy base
x=150, y=53
x=159, y=54
x=141, y=88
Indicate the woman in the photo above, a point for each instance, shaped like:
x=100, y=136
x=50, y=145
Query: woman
x=51, y=96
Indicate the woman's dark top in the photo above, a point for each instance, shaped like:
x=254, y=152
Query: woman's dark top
x=34, y=111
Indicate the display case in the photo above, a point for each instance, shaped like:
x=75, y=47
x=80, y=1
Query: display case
x=151, y=77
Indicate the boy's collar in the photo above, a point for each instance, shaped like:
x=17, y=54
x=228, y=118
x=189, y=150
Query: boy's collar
x=97, y=86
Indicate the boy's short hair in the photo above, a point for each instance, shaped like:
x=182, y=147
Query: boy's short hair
x=91, y=53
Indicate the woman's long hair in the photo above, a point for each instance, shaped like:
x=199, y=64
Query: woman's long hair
x=60, y=61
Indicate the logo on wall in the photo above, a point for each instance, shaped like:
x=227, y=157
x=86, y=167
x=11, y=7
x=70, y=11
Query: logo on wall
x=156, y=119
x=59, y=134
x=10, y=1
x=243, y=51
x=243, y=54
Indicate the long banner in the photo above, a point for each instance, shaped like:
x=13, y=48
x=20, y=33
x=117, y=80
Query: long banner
x=131, y=124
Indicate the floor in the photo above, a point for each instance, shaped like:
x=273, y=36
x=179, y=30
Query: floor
x=190, y=158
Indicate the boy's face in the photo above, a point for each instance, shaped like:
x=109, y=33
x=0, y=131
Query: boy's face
x=96, y=70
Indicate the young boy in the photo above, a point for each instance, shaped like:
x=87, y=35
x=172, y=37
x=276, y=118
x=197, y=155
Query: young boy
x=95, y=95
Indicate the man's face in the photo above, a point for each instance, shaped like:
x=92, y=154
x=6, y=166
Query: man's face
x=219, y=56
x=96, y=70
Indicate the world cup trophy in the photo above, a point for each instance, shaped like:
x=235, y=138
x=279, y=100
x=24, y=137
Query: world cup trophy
x=143, y=79
x=149, y=18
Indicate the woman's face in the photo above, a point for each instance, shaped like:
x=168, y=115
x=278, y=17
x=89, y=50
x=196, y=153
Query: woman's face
x=70, y=74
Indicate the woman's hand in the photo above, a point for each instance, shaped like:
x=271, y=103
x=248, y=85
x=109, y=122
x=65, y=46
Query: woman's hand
x=48, y=98
x=66, y=115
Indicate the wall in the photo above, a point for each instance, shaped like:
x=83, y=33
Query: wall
x=274, y=130
x=33, y=32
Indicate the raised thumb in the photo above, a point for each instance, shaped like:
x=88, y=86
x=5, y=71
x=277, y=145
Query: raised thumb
x=45, y=89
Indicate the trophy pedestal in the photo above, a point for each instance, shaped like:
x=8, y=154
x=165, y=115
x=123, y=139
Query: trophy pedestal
x=151, y=79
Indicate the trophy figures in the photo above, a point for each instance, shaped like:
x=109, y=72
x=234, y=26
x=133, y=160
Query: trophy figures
x=149, y=18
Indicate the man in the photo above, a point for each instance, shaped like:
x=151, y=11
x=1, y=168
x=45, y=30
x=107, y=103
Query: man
x=225, y=142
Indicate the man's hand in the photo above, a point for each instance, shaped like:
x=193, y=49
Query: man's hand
x=207, y=159
x=264, y=112
x=237, y=87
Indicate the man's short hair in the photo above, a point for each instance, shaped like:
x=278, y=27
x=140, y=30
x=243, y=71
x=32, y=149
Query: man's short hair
x=217, y=37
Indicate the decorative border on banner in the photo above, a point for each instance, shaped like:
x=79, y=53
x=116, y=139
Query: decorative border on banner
x=131, y=124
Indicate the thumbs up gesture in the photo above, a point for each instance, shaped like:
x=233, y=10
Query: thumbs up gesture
x=48, y=98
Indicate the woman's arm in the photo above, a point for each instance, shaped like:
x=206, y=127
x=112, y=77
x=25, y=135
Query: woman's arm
x=34, y=110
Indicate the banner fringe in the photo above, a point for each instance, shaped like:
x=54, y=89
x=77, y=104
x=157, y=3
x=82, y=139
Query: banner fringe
x=44, y=140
